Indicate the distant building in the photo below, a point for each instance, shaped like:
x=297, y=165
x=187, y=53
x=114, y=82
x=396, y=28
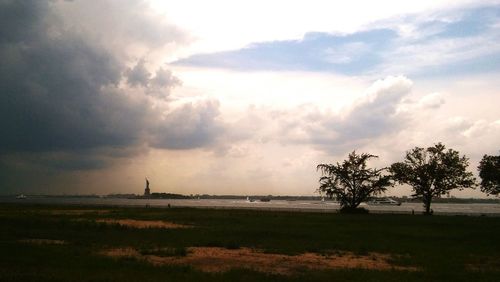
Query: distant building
x=147, y=191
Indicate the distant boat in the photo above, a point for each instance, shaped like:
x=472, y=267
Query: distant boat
x=250, y=200
x=265, y=199
x=21, y=197
x=384, y=202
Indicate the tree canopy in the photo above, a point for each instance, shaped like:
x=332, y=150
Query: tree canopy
x=352, y=182
x=433, y=172
x=489, y=171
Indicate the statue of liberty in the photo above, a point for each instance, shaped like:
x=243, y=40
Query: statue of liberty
x=147, y=191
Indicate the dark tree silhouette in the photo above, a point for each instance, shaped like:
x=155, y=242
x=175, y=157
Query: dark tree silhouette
x=352, y=182
x=433, y=172
x=489, y=171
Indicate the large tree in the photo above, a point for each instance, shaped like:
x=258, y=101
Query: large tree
x=433, y=172
x=489, y=171
x=351, y=182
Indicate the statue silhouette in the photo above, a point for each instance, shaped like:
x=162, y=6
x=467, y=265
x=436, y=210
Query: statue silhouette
x=147, y=191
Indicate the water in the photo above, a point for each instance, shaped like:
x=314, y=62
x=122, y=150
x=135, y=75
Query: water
x=308, y=206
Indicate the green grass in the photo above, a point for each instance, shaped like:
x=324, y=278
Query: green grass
x=441, y=246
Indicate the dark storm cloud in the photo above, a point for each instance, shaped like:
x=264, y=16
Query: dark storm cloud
x=20, y=19
x=58, y=161
x=64, y=109
x=60, y=83
x=54, y=89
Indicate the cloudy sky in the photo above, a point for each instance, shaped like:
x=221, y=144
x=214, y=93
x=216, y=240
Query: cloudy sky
x=237, y=97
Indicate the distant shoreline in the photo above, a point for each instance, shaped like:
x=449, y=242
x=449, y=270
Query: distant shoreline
x=243, y=197
x=307, y=206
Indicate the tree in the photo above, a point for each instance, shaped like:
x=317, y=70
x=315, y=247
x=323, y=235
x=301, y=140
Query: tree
x=433, y=172
x=352, y=182
x=489, y=171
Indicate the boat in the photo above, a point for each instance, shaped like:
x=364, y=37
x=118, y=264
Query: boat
x=265, y=199
x=384, y=202
x=250, y=200
x=21, y=197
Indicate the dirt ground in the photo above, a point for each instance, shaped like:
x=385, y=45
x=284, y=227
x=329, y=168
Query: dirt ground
x=143, y=223
x=214, y=259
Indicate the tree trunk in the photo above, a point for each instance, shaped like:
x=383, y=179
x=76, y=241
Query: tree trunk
x=427, y=204
x=353, y=203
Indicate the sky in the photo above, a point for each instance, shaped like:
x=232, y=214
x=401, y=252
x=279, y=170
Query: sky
x=238, y=97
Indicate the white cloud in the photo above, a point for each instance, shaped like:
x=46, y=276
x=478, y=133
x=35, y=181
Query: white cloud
x=224, y=24
x=158, y=85
x=239, y=90
x=480, y=128
x=432, y=100
x=416, y=57
x=372, y=115
x=138, y=75
x=189, y=126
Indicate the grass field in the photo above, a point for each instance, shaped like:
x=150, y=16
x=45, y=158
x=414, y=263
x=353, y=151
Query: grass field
x=66, y=243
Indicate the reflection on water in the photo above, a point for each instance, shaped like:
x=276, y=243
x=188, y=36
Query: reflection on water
x=327, y=206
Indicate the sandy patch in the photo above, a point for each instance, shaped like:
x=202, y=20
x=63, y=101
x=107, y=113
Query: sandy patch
x=43, y=241
x=213, y=259
x=143, y=223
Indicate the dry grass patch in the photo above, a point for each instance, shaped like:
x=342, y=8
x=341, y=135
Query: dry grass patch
x=214, y=259
x=77, y=212
x=43, y=241
x=143, y=223
x=484, y=263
